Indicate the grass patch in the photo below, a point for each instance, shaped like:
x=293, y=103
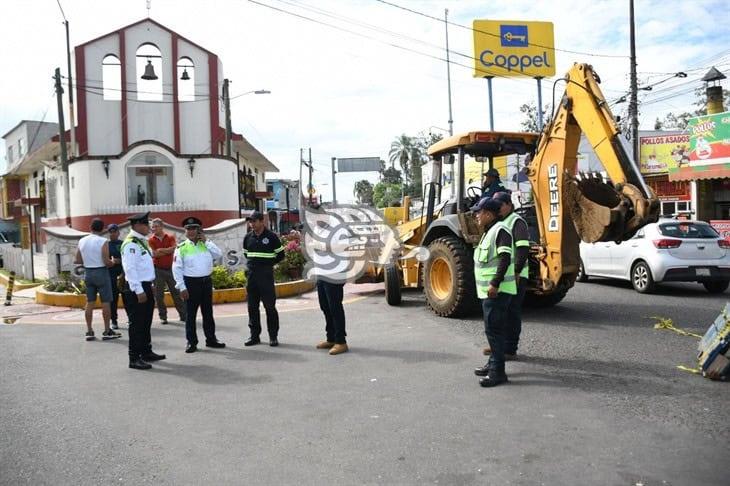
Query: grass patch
x=19, y=280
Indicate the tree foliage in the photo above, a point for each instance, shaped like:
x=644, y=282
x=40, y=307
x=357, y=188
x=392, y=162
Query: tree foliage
x=387, y=195
x=529, y=123
x=363, y=192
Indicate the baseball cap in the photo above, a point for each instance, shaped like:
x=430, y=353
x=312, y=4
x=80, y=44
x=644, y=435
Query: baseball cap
x=487, y=204
x=502, y=197
x=492, y=173
x=113, y=227
x=256, y=215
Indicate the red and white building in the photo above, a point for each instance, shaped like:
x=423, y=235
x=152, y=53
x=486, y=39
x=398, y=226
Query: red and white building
x=146, y=144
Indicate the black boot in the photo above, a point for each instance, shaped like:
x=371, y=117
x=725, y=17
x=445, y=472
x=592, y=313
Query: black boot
x=152, y=356
x=138, y=364
x=493, y=378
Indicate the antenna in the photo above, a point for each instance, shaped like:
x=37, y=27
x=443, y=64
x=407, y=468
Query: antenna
x=149, y=6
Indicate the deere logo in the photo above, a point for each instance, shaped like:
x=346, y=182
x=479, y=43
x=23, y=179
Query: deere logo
x=513, y=35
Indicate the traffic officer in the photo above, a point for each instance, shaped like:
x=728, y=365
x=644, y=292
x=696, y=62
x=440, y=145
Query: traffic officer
x=192, y=265
x=521, y=250
x=495, y=282
x=262, y=249
x=139, y=274
x=492, y=184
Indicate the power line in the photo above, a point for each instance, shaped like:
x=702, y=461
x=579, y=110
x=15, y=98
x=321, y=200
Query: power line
x=60, y=7
x=493, y=34
x=484, y=72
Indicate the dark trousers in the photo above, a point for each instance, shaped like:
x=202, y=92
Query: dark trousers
x=164, y=278
x=200, y=290
x=330, y=301
x=495, y=323
x=514, y=318
x=115, y=296
x=140, y=321
x=260, y=288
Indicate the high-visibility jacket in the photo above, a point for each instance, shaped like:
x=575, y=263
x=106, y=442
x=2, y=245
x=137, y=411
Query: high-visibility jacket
x=486, y=263
x=510, y=221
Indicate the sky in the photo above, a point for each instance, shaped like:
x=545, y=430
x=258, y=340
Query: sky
x=349, y=76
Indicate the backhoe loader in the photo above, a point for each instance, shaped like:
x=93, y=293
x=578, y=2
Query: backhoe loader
x=567, y=206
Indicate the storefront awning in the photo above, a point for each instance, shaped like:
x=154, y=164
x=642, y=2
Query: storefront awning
x=715, y=171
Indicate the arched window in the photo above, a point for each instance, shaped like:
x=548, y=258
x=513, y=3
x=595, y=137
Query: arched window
x=111, y=78
x=185, y=79
x=149, y=179
x=149, y=73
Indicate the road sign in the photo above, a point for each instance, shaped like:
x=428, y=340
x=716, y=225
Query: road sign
x=513, y=48
x=359, y=164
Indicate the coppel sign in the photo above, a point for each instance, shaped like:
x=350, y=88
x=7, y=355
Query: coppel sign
x=513, y=48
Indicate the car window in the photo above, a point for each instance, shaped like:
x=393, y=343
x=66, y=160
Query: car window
x=687, y=230
x=639, y=234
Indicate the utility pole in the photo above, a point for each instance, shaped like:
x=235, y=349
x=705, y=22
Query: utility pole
x=71, y=116
x=633, y=103
x=311, y=167
x=62, y=140
x=448, y=70
x=334, y=189
x=227, y=104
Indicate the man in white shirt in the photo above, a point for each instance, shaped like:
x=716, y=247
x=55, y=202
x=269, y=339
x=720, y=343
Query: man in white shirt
x=192, y=265
x=139, y=274
x=93, y=253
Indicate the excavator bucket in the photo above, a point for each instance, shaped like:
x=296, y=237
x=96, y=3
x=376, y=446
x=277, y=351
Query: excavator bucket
x=603, y=212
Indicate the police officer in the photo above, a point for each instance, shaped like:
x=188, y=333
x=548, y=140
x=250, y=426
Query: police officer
x=521, y=250
x=262, y=249
x=495, y=282
x=192, y=265
x=139, y=274
x=492, y=184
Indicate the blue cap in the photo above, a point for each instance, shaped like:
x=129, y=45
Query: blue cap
x=113, y=227
x=502, y=197
x=492, y=173
x=487, y=204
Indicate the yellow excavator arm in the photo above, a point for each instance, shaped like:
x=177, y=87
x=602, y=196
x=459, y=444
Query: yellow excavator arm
x=571, y=207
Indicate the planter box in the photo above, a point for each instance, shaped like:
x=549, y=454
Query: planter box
x=223, y=296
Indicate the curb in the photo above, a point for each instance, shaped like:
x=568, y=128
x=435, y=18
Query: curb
x=222, y=296
x=17, y=286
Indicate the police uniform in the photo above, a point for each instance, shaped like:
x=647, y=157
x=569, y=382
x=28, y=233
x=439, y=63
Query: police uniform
x=192, y=265
x=520, y=250
x=493, y=267
x=262, y=252
x=139, y=274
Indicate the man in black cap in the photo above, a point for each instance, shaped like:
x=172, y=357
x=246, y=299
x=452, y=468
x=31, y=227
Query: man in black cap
x=192, y=265
x=262, y=249
x=492, y=184
x=139, y=274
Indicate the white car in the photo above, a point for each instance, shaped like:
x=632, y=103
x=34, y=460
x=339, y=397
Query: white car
x=666, y=251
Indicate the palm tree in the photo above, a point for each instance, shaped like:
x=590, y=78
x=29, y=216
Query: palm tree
x=363, y=192
x=400, y=150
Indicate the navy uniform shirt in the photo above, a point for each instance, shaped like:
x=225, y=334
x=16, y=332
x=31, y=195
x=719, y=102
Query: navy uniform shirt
x=115, y=251
x=262, y=250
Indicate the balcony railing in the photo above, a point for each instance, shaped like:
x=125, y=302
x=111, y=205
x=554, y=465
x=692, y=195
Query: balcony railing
x=153, y=208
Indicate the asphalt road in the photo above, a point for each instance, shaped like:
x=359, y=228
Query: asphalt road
x=595, y=399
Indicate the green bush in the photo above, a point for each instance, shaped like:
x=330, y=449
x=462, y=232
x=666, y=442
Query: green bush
x=224, y=279
x=239, y=279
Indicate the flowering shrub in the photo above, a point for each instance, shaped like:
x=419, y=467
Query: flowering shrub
x=292, y=265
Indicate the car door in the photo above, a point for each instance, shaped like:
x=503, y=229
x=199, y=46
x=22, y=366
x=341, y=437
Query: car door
x=622, y=255
x=596, y=257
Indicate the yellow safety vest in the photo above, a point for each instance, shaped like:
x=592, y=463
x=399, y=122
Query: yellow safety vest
x=486, y=262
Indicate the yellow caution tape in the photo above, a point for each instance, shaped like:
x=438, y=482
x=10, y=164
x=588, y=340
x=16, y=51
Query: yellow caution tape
x=668, y=324
x=696, y=371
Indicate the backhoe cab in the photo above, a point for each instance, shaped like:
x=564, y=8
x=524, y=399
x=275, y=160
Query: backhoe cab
x=567, y=206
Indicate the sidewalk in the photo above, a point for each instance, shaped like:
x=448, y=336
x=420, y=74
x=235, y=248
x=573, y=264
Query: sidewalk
x=24, y=310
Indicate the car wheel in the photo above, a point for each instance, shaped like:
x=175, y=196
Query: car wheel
x=716, y=287
x=641, y=278
x=582, y=277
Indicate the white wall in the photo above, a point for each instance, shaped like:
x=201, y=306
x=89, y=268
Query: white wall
x=214, y=182
x=104, y=118
x=195, y=116
x=149, y=120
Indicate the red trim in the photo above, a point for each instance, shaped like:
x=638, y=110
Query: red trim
x=175, y=105
x=123, y=61
x=139, y=22
x=209, y=218
x=213, y=84
x=81, y=128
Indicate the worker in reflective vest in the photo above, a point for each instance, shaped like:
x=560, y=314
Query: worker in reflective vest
x=520, y=253
x=262, y=249
x=495, y=281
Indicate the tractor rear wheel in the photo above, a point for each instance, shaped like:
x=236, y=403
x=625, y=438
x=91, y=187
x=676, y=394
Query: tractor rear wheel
x=448, y=277
x=545, y=300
